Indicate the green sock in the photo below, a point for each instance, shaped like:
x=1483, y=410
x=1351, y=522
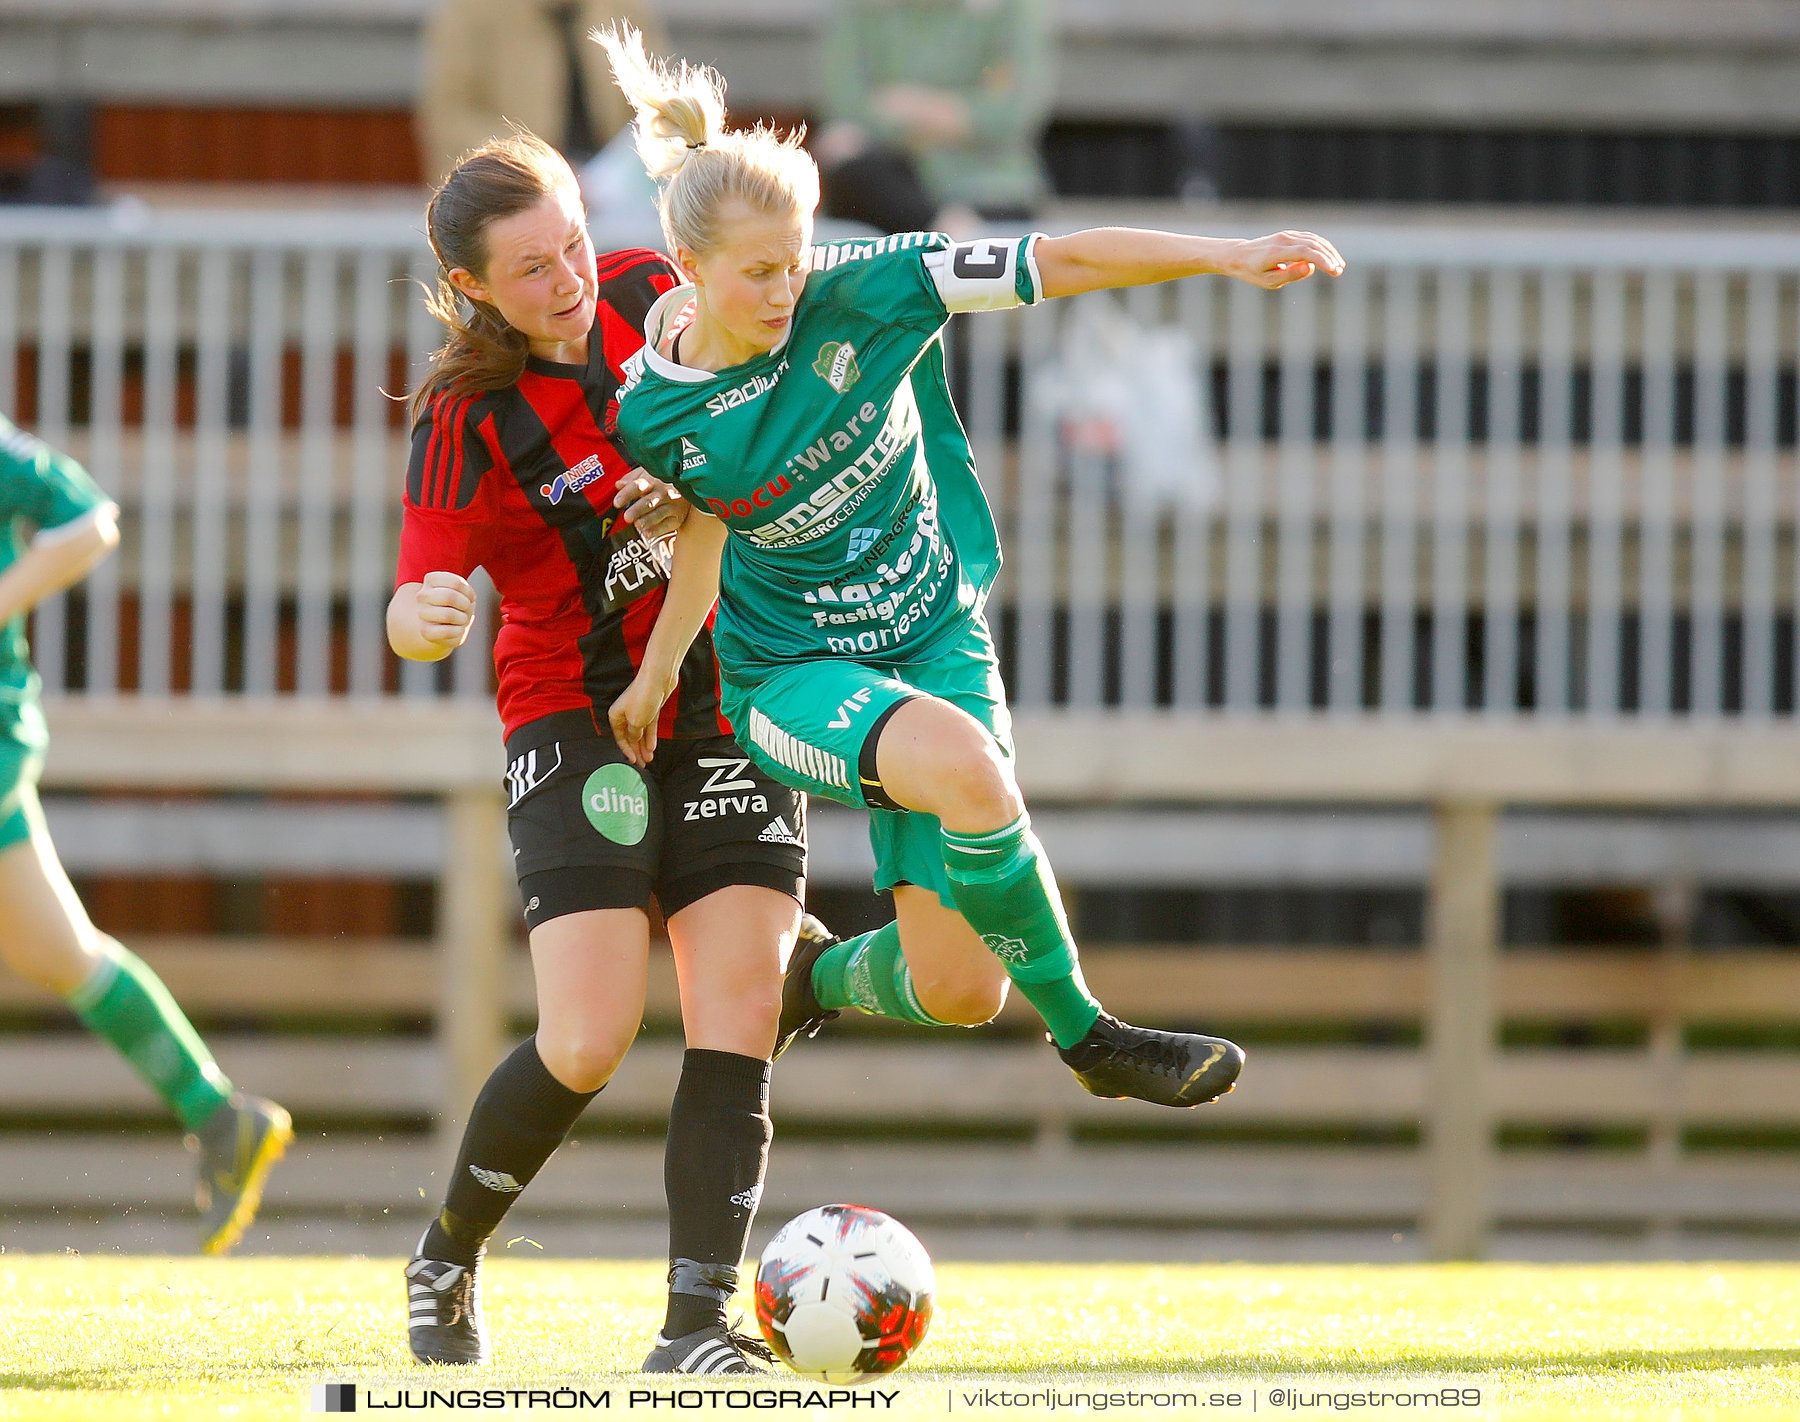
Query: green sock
x=1002, y=883
x=125, y=1003
x=869, y=973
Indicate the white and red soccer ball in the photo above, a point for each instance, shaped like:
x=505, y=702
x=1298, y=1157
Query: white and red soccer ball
x=844, y=1293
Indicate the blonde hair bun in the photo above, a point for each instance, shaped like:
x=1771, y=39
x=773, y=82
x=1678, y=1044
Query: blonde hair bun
x=682, y=139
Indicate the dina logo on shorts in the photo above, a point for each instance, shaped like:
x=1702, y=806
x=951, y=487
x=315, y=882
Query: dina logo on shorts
x=617, y=803
x=837, y=365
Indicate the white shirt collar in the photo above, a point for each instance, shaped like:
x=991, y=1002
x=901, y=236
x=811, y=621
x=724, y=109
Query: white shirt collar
x=669, y=309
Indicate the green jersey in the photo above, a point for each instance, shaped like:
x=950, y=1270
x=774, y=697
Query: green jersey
x=836, y=460
x=39, y=490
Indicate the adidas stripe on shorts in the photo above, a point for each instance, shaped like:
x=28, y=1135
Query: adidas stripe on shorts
x=591, y=831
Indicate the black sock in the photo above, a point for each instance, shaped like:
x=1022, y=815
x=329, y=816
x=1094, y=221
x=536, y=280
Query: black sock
x=713, y=1171
x=520, y=1118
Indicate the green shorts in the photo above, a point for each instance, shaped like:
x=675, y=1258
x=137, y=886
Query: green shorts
x=812, y=725
x=19, y=768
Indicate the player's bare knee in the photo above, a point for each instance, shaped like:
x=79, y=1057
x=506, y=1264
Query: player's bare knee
x=57, y=957
x=977, y=786
x=579, y=1062
x=967, y=998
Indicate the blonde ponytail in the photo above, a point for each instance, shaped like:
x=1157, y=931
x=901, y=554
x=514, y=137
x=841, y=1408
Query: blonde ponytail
x=680, y=107
x=682, y=139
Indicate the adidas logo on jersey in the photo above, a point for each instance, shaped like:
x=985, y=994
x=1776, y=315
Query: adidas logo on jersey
x=496, y=1180
x=692, y=457
x=779, y=833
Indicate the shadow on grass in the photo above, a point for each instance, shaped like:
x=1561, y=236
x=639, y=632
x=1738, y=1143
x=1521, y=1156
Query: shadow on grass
x=1694, y=1360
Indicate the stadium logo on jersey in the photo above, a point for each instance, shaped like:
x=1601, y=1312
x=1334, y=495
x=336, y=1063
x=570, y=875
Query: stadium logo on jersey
x=754, y=388
x=523, y=775
x=837, y=365
x=572, y=480
x=692, y=457
x=861, y=540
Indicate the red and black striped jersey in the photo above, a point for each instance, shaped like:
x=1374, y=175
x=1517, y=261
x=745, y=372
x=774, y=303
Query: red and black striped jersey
x=520, y=481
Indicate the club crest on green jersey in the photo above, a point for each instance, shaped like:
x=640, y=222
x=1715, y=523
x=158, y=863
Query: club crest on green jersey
x=837, y=365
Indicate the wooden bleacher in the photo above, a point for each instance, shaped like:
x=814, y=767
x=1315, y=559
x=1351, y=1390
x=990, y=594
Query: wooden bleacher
x=986, y=1116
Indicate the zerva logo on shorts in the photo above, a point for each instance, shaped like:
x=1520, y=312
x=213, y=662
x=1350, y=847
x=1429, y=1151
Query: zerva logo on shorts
x=572, y=481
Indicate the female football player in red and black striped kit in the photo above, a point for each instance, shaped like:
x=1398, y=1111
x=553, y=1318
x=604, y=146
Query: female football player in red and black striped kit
x=512, y=470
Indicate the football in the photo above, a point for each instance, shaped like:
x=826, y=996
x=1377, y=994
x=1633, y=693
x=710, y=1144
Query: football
x=843, y=1293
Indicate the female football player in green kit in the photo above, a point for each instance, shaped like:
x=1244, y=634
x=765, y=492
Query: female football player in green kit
x=797, y=397
x=45, y=934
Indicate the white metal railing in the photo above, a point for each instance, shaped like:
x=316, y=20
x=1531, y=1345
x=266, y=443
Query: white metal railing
x=1524, y=472
x=1535, y=471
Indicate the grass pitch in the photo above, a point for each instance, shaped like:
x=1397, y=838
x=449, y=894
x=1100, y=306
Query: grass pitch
x=106, y=1337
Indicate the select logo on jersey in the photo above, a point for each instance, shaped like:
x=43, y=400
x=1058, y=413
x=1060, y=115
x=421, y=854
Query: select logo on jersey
x=617, y=803
x=837, y=365
x=572, y=481
x=692, y=456
x=861, y=540
x=754, y=388
x=719, y=796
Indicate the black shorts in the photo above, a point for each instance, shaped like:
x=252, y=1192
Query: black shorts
x=591, y=831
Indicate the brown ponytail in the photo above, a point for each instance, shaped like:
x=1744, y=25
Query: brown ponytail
x=502, y=178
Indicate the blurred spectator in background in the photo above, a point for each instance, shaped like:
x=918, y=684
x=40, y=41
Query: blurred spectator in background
x=933, y=111
x=491, y=64
x=47, y=152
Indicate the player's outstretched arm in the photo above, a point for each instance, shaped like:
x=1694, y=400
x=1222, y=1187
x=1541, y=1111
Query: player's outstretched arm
x=428, y=621
x=1103, y=257
x=693, y=588
x=58, y=557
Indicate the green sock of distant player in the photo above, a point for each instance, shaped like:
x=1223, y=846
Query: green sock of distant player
x=1003, y=886
x=124, y=1002
x=867, y=972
